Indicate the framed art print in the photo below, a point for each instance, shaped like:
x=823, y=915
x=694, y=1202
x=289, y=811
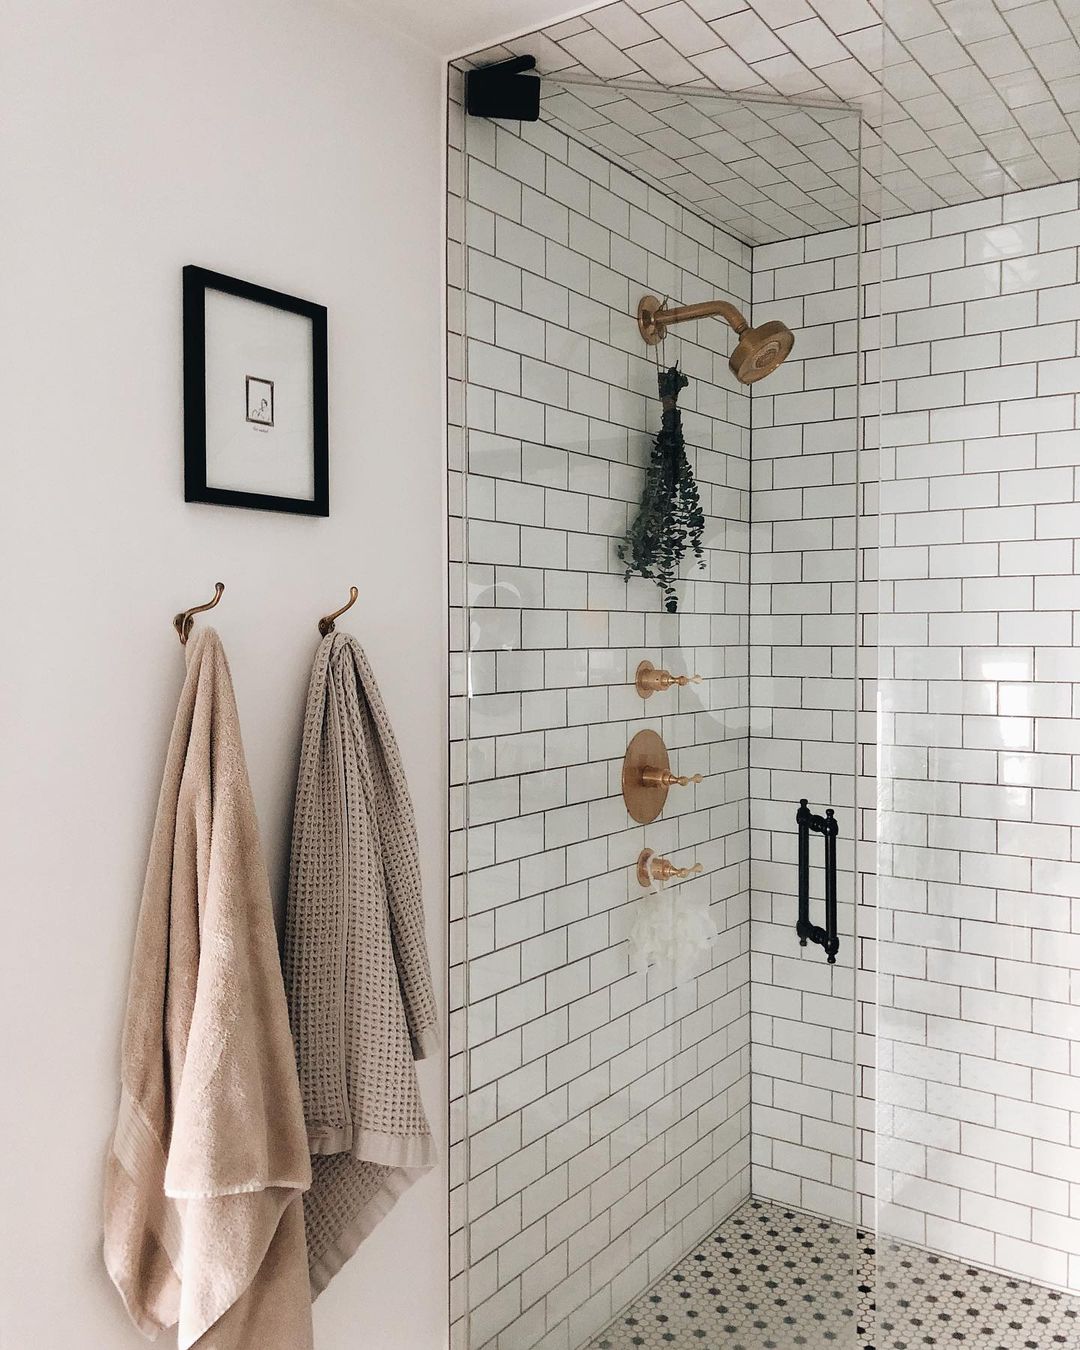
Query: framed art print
x=255, y=396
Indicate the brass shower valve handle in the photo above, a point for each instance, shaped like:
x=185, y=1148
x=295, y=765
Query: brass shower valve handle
x=665, y=779
x=648, y=679
x=650, y=868
x=647, y=776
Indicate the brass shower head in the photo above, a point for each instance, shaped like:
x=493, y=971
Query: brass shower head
x=758, y=352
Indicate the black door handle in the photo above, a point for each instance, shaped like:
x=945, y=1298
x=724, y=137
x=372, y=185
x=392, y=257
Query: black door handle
x=827, y=826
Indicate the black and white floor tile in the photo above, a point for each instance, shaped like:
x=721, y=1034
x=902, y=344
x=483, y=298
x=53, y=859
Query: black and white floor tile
x=772, y=1278
x=929, y=1300
x=769, y=1278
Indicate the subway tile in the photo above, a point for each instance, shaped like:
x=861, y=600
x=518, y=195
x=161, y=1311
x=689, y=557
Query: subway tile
x=1039, y=271
x=974, y=282
x=1013, y=239
x=1048, y=342
x=1035, y=486
x=1005, y=383
x=488, y=187
x=1037, y=414
x=966, y=353
x=965, y=422
x=931, y=256
x=1040, y=201
x=1001, y=313
x=1058, y=303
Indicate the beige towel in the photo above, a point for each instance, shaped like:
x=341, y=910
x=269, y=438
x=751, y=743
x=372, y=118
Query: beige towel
x=203, y=1218
x=356, y=964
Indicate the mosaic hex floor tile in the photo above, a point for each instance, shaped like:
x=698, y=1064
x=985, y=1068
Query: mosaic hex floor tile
x=768, y=1279
x=772, y=1278
x=929, y=1300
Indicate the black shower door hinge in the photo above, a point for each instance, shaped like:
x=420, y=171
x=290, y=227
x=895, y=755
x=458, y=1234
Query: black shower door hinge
x=504, y=91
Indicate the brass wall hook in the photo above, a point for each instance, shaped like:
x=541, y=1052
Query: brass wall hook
x=648, y=679
x=326, y=623
x=183, y=621
x=650, y=868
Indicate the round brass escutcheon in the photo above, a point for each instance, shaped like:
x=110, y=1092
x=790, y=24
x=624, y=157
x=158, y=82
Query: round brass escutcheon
x=650, y=868
x=646, y=679
x=650, y=330
x=646, y=777
x=644, y=871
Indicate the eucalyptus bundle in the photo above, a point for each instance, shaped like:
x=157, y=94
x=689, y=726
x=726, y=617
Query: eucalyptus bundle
x=670, y=520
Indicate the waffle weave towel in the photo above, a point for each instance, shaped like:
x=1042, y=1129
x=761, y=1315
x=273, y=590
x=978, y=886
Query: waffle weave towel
x=203, y=1219
x=357, y=974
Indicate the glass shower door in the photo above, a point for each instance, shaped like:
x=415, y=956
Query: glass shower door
x=978, y=808
x=637, y=1127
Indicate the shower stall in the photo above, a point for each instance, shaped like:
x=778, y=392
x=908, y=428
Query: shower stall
x=764, y=897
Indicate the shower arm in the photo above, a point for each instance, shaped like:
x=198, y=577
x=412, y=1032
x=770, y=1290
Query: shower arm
x=654, y=316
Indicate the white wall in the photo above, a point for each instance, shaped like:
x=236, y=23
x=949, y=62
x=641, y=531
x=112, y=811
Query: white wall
x=296, y=145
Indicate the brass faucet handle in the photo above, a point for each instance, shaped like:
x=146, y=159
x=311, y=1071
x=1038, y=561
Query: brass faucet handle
x=650, y=868
x=649, y=679
x=664, y=778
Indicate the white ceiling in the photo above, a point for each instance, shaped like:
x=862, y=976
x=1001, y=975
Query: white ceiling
x=455, y=28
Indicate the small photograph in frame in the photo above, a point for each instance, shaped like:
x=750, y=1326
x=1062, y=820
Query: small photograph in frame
x=260, y=401
x=255, y=396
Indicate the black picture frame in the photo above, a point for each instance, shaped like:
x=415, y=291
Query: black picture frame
x=196, y=282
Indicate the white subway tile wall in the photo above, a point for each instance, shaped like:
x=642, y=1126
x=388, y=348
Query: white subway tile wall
x=606, y=1127
x=964, y=734
x=978, y=1110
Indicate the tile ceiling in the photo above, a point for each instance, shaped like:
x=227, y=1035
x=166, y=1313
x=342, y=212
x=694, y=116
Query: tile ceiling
x=980, y=97
x=763, y=171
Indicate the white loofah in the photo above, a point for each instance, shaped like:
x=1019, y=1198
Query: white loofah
x=671, y=931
